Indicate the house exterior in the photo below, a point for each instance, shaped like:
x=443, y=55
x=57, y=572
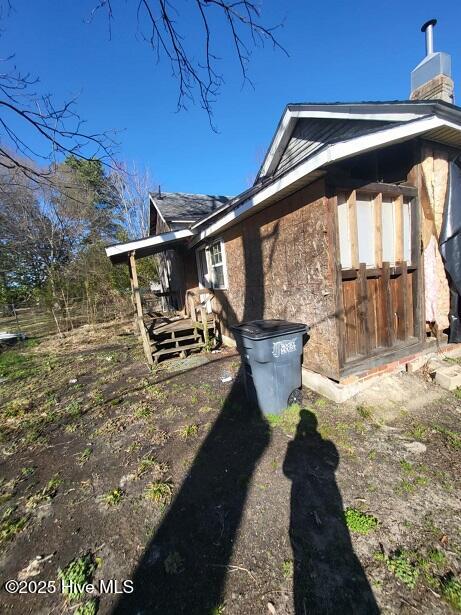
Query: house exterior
x=344, y=229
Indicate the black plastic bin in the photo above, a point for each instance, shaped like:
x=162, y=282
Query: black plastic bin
x=271, y=352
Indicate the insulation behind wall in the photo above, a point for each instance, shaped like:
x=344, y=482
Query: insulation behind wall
x=435, y=173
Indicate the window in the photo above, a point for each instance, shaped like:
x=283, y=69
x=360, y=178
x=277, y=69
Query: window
x=373, y=228
x=211, y=265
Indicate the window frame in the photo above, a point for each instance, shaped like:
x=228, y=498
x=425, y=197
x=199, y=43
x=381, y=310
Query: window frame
x=207, y=279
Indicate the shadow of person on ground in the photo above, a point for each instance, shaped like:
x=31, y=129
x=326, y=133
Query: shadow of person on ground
x=184, y=567
x=328, y=577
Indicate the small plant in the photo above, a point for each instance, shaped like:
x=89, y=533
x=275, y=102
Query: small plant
x=73, y=409
x=405, y=487
x=159, y=492
x=46, y=494
x=88, y=608
x=156, y=392
x=451, y=590
x=452, y=437
x=114, y=497
x=10, y=526
x=205, y=409
x=83, y=457
x=218, y=610
x=174, y=563
x=287, y=569
x=372, y=454
x=76, y=575
x=418, y=431
x=406, y=466
x=402, y=564
x=96, y=396
x=26, y=472
x=17, y=407
x=143, y=412
x=188, y=431
x=364, y=411
x=151, y=464
x=360, y=522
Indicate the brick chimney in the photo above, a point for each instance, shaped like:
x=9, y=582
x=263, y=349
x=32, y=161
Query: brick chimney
x=431, y=79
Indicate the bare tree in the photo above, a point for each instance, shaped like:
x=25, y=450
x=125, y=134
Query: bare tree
x=132, y=185
x=163, y=26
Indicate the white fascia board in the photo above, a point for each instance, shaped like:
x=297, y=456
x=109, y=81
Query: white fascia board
x=332, y=153
x=158, y=210
x=281, y=138
x=155, y=240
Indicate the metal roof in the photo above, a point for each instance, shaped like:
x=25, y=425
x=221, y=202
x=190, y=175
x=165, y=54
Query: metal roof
x=389, y=113
x=184, y=207
x=310, y=135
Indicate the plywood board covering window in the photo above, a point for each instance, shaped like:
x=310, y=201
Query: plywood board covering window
x=373, y=228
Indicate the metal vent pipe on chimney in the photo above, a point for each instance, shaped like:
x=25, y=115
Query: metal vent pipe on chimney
x=428, y=28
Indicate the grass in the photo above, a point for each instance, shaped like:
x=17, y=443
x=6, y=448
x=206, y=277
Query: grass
x=114, y=497
x=410, y=567
x=364, y=411
x=174, y=563
x=83, y=457
x=76, y=575
x=360, y=522
x=87, y=608
x=11, y=525
x=451, y=591
x=403, y=565
x=418, y=431
x=287, y=569
x=453, y=438
x=159, y=492
x=143, y=412
x=188, y=431
x=151, y=464
x=44, y=495
x=73, y=409
x=287, y=420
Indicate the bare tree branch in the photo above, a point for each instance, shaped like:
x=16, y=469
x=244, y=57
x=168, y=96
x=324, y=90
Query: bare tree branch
x=159, y=23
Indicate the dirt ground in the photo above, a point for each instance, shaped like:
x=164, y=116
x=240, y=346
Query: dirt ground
x=171, y=480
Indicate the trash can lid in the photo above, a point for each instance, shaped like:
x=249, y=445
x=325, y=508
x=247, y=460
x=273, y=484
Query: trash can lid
x=263, y=329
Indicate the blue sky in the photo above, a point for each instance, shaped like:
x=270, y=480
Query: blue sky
x=338, y=51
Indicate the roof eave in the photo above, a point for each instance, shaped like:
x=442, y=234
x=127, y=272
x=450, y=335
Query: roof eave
x=119, y=253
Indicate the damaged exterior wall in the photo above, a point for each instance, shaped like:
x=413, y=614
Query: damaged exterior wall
x=278, y=267
x=434, y=171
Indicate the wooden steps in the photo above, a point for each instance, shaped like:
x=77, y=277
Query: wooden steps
x=178, y=337
x=174, y=350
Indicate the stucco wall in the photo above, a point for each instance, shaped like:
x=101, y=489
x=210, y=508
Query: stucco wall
x=278, y=267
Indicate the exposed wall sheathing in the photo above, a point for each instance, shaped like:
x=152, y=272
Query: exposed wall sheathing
x=278, y=267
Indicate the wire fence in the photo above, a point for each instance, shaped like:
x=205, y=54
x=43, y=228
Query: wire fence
x=37, y=320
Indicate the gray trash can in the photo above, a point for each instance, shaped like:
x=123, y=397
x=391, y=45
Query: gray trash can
x=271, y=352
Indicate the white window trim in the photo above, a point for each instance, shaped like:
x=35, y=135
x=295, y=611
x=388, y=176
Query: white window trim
x=209, y=283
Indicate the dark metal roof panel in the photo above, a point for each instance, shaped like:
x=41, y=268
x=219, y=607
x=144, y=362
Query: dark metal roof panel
x=310, y=135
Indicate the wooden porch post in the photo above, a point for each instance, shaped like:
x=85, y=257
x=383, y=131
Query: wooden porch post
x=137, y=301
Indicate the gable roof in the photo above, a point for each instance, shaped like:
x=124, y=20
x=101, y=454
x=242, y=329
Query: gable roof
x=299, y=156
x=185, y=208
x=305, y=128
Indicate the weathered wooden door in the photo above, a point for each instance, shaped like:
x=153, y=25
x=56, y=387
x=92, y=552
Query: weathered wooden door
x=379, y=247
